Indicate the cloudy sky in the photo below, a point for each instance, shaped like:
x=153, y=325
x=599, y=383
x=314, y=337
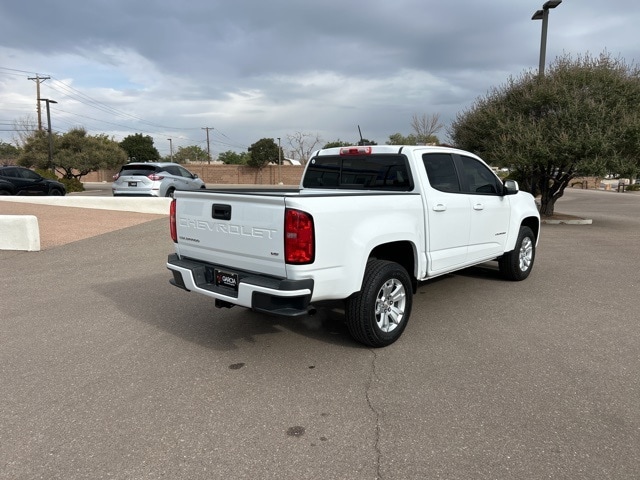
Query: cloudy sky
x=251, y=69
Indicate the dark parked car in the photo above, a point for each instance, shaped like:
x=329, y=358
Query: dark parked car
x=22, y=181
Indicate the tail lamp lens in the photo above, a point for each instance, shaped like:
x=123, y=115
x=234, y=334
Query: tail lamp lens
x=172, y=222
x=299, y=242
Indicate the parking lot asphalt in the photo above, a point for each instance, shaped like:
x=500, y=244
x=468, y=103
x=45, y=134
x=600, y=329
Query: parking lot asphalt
x=107, y=371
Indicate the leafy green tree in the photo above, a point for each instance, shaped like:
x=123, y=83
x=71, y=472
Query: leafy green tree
x=263, y=152
x=233, y=158
x=399, y=139
x=75, y=153
x=193, y=153
x=580, y=118
x=140, y=148
x=8, y=153
x=337, y=143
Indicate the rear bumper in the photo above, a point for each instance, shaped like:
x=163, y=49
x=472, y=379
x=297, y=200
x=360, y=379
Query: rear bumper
x=277, y=296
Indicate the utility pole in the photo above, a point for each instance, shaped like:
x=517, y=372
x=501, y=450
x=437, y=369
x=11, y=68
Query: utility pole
x=208, y=148
x=170, y=148
x=38, y=79
x=50, y=135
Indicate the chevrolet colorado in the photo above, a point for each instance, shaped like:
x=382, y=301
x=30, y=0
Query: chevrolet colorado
x=365, y=226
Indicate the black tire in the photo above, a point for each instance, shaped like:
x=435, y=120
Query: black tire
x=170, y=193
x=374, y=318
x=5, y=192
x=56, y=192
x=516, y=265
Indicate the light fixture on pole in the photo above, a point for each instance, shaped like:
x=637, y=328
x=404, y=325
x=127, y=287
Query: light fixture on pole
x=48, y=101
x=544, y=16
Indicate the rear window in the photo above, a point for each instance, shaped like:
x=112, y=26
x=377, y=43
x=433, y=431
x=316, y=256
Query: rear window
x=143, y=170
x=368, y=172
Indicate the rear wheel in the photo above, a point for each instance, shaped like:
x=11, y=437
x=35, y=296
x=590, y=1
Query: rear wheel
x=56, y=192
x=378, y=314
x=170, y=192
x=517, y=264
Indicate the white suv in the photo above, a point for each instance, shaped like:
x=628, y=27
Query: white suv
x=155, y=179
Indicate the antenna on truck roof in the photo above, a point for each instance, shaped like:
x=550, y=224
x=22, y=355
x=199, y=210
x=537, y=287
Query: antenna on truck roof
x=362, y=142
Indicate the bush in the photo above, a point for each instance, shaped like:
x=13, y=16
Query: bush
x=633, y=188
x=71, y=184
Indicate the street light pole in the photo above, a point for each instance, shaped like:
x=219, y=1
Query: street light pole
x=170, y=148
x=48, y=101
x=544, y=16
x=279, y=162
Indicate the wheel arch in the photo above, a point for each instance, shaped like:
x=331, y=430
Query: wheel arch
x=401, y=252
x=534, y=224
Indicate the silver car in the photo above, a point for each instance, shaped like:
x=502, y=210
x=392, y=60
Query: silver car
x=155, y=179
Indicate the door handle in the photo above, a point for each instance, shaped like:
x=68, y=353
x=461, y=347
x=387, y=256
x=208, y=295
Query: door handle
x=478, y=206
x=439, y=207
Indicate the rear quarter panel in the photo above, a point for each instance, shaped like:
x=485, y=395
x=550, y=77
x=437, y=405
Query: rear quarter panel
x=348, y=226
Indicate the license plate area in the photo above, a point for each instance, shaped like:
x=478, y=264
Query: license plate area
x=226, y=280
x=133, y=184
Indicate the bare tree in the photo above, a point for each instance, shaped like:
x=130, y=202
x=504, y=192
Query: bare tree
x=426, y=127
x=24, y=128
x=303, y=144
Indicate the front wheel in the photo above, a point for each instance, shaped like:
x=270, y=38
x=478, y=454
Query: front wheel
x=378, y=314
x=517, y=264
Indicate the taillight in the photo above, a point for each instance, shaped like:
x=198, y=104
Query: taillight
x=116, y=176
x=359, y=150
x=172, y=222
x=299, y=242
x=154, y=177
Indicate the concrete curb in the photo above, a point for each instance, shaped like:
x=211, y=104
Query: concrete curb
x=158, y=206
x=22, y=232
x=19, y=232
x=573, y=221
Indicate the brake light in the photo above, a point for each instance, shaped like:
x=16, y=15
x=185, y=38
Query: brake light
x=299, y=241
x=359, y=150
x=172, y=222
x=154, y=177
x=116, y=176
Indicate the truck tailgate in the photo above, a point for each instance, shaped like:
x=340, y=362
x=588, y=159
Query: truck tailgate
x=241, y=230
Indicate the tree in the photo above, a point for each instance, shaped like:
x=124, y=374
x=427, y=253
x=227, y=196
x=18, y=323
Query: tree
x=337, y=143
x=263, y=152
x=232, y=158
x=140, y=148
x=24, y=128
x=8, y=153
x=425, y=128
x=303, y=144
x=580, y=118
x=193, y=153
x=75, y=153
x=399, y=139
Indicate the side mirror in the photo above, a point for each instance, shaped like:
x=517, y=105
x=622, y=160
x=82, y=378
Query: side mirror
x=511, y=187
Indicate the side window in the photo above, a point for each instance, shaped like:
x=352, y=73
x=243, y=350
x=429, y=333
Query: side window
x=29, y=175
x=441, y=172
x=172, y=170
x=11, y=172
x=479, y=179
x=184, y=172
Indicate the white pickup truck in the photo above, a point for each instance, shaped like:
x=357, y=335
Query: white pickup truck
x=366, y=225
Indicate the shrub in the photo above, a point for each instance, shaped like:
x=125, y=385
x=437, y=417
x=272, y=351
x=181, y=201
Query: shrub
x=71, y=184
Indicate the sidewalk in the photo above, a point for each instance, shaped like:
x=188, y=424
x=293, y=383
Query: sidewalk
x=67, y=222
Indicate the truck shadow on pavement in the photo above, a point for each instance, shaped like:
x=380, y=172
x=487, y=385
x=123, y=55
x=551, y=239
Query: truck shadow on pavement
x=195, y=318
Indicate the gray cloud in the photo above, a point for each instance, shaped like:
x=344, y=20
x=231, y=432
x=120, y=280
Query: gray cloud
x=257, y=69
